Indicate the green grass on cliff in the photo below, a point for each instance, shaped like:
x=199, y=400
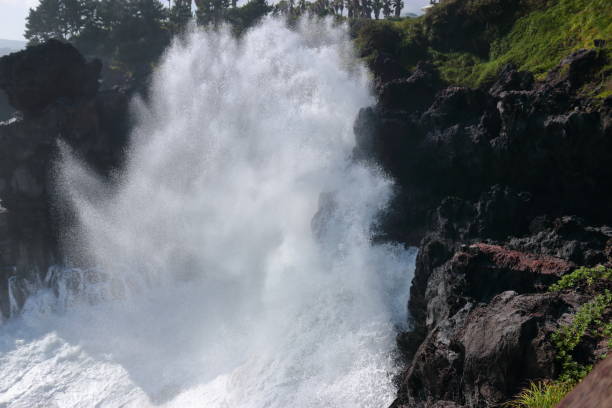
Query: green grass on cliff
x=589, y=320
x=538, y=42
x=543, y=394
x=471, y=40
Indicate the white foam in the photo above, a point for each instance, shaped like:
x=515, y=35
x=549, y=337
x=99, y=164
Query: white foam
x=211, y=288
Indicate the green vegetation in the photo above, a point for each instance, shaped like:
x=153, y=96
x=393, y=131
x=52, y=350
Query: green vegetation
x=588, y=320
x=544, y=394
x=541, y=39
x=588, y=275
x=130, y=35
x=471, y=40
x=566, y=338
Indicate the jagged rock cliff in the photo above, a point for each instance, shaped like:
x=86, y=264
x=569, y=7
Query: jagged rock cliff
x=56, y=93
x=534, y=137
x=504, y=190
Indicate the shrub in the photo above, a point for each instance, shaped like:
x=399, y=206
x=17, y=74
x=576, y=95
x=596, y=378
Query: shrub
x=566, y=338
x=544, y=394
x=588, y=319
x=588, y=275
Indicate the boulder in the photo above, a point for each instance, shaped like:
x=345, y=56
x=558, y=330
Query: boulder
x=506, y=343
x=42, y=74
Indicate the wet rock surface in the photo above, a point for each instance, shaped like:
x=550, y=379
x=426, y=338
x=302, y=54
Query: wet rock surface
x=56, y=91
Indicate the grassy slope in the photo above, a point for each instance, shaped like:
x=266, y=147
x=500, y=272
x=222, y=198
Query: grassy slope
x=537, y=42
x=537, y=37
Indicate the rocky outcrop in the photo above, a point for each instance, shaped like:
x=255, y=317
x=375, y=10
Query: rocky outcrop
x=486, y=180
x=482, y=318
x=56, y=91
x=40, y=75
x=538, y=138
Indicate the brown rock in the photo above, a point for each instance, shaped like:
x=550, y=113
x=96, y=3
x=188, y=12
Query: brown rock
x=594, y=391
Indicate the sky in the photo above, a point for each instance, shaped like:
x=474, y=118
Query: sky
x=14, y=12
x=12, y=18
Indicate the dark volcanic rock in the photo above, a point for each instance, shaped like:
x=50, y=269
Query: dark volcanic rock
x=480, y=315
x=414, y=93
x=537, y=138
x=35, y=77
x=576, y=69
x=485, y=181
x=489, y=176
x=63, y=94
x=506, y=342
x=509, y=79
x=492, y=269
x=483, y=353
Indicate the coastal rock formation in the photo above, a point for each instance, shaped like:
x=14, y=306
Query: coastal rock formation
x=38, y=76
x=505, y=190
x=538, y=138
x=56, y=92
x=482, y=318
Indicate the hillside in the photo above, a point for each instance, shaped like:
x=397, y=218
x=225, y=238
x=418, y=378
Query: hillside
x=471, y=41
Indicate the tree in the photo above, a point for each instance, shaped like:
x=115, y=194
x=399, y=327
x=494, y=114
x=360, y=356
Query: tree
x=43, y=22
x=61, y=19
x=376, y=7
x=242, y=18
x=180, y=15
x=211, y=11
x=140, y=35
x=386, y=8
x=76, y=15
x=338, y=6
x=320, y=7
x=398, y=5
x=350, y=8
x=366, y=8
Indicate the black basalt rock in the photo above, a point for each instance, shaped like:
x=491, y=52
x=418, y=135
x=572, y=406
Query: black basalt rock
x=415, y=93
x=504, y=190
x=34, y=78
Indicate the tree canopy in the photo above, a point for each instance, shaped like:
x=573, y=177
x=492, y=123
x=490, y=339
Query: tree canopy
x=132, y=34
